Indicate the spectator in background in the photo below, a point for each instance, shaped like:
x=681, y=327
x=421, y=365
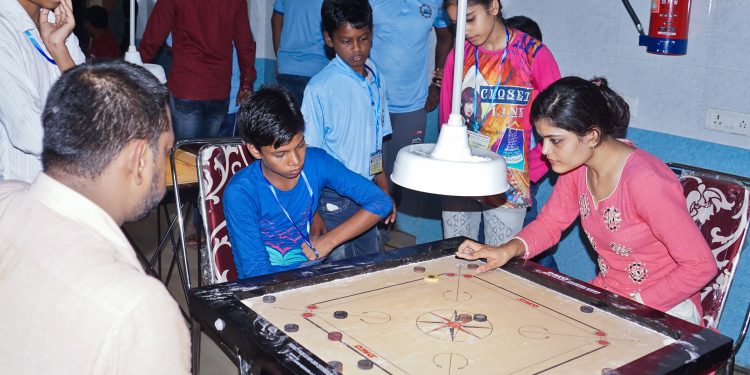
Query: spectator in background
x=526, y=25
x=33, y=53
x=103, y=43
x=298, y=43
x=346, y=114
x=228, y=127
x=203, y=32
x=401, y=50
x=537, y=167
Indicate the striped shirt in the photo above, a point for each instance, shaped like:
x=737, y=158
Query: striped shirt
x=25, y=78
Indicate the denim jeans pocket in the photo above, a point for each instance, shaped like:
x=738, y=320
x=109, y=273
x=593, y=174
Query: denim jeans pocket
x=332, y=203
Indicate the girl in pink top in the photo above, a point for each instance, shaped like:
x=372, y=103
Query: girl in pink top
x=631, y=204
x=503, y=71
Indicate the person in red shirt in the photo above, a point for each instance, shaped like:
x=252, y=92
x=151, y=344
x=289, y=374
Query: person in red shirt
x=203, y=33
x=103, y=42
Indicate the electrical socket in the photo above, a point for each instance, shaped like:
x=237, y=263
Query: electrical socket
x=728, y=121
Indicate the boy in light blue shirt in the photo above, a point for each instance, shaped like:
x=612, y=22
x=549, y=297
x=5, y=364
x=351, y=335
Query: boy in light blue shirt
x=346, y=114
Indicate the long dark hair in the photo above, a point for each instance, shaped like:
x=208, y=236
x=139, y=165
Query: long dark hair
x=580, y=106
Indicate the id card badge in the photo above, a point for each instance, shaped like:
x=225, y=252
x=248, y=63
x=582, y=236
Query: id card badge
x=479, y=141
x=376, y=163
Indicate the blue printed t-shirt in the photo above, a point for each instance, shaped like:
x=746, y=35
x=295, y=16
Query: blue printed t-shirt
x=400, y=48
x=302, y=49
x=263, y=239
x=340, y=114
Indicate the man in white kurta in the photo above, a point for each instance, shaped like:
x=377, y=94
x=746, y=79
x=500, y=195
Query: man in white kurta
x=26, y=75
x=75, y=299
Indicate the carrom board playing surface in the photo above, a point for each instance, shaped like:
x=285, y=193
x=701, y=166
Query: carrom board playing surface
x=420, y=310
x=440, y=317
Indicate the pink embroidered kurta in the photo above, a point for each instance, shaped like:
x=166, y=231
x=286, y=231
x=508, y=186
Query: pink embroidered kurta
x=644, y=237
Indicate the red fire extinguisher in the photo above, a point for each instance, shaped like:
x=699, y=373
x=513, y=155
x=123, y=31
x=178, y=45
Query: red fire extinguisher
x=668, y=29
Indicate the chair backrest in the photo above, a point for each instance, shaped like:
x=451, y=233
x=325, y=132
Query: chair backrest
x=217, y=163
x=718, y=203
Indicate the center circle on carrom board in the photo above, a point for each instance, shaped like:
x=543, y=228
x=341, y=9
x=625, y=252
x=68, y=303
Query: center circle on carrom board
x=457, y=295
x=453, y=326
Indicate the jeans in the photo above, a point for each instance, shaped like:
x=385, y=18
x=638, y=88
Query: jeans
x=196, y=118
x=335, y=209
x=228, y=127
x=295, y=84
x=545, y=259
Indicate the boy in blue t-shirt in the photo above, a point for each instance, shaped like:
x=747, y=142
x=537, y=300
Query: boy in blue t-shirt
x=270, y=204
x=346, y=113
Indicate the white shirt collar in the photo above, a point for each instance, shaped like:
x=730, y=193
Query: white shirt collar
x=74, y=206
x=16, y=15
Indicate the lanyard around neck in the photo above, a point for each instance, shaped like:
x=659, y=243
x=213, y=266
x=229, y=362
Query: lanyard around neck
x=38, y=47
x=475, y=123
x=375, y=104
x=305, y=235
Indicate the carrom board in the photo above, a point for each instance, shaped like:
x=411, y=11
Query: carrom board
x=431, y=313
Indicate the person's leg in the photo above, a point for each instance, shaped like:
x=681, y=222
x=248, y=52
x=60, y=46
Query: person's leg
x=214, y=112
x=186, y=118
x=198, y=119
x=366, y=243
x=228, y=128
x=335, y=209
x=408, y=129
x=295, y=84
x=502, y=224
x=461, y=217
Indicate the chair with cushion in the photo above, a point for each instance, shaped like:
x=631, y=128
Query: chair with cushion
x=217, y=163
x=720, y=205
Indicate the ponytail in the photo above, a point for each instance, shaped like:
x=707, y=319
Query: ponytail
x=580, y=106
x=617, y=106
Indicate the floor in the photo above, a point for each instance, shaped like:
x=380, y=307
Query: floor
x=144, y=236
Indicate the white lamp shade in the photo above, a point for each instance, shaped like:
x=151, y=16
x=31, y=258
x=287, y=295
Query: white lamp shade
x=157, y=71
x=450, y=167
